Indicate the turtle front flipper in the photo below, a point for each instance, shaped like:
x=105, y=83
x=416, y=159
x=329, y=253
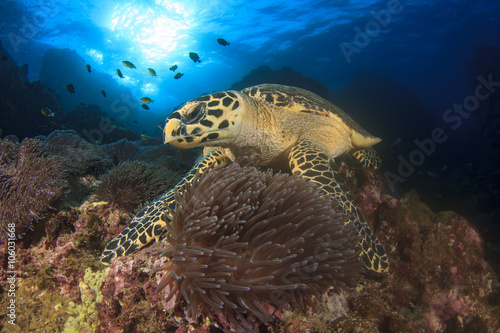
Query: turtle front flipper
x=368, y=157
x=314, y=165
x=149, y=223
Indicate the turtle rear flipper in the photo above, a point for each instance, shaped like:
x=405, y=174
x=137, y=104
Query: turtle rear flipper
x=314, y=165
x=149, y=224
x=368, y=158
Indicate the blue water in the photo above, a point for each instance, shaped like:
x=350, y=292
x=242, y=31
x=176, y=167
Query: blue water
x=425, y=45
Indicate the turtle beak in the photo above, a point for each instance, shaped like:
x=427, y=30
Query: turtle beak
x=173, y=131
x=177, y=133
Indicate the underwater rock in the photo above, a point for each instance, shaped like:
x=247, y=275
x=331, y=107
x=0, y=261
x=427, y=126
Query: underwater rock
x=286, y=76
x=79, y=156
x=96, y=126
x=123, y=150
x=31, y=182
x=437, y=268
x=21, y=102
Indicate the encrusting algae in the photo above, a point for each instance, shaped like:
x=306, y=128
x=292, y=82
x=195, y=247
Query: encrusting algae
x=84, y=316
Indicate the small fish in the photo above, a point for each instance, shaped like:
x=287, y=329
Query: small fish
x=70, y=88
x=146, y=100
x=151, y=71
x=160, y=127
x=194, y=57
x=173, y=68
x=432, y=174
x=84, y=105
x=119, y=73
x=178, y=76
x=5, y=57
x=87, y=66
x=1, y=132
x=103, y=93
x=128, y=64
x=47, y=112
x=396, y=142
x=144, y=137
x=135, y=121
x=443, y=168
x=222, y=42
x=145, y=107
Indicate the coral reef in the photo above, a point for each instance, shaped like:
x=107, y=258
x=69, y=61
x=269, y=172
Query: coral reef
x=123, y=150
x=241, y=239
x=79, y=156
x=438, y=280
x=133, y=183
x=30, y=183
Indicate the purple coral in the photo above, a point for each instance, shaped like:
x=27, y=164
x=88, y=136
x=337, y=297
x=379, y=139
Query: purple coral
x=30, y=182
x=79, y=156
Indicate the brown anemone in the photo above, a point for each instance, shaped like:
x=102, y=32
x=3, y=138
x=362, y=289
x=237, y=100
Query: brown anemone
x=241, y=239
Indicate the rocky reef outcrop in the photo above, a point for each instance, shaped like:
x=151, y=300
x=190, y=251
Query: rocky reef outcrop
x=21, y=102
x=438, y=280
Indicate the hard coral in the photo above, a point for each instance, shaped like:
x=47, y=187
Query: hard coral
x=240, y=239
x=30, y=182
x=131, y=183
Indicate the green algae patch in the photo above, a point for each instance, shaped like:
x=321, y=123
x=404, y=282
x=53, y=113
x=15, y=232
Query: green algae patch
x=445, y=217
x=84, y=317
x=37, y=309
x=419, y=210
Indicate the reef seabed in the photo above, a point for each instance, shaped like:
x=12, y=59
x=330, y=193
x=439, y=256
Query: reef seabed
x=438, y=280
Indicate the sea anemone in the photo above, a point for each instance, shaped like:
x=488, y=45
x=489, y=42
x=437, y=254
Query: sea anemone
x=30, y=182
x=131, y=183
x=240, y=239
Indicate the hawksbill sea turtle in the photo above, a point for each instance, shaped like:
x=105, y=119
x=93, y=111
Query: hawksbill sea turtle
x=274, y=126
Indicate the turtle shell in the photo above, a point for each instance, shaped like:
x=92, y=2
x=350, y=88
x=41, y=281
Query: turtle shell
x=300, y=100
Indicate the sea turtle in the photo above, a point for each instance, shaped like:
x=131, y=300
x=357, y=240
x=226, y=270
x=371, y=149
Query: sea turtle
x=272, y=125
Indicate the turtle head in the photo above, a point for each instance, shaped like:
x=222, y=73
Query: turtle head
x=210, y=120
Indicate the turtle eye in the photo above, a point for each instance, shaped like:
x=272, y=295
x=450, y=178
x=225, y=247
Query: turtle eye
x=195, y=114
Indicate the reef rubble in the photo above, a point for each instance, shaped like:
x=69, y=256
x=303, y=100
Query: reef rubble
x=438, y=279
